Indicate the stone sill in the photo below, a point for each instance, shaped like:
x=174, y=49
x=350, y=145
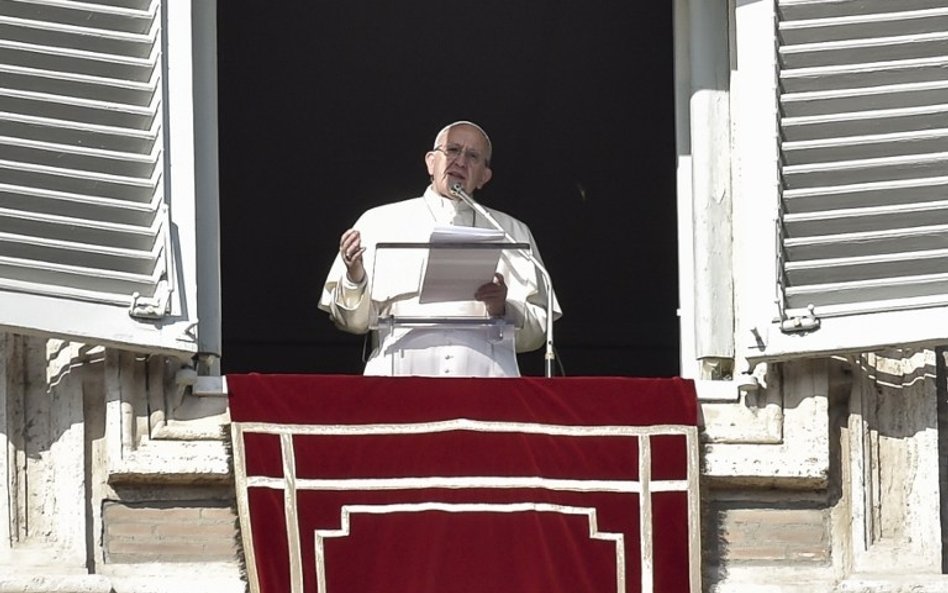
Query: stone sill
x=45, y=583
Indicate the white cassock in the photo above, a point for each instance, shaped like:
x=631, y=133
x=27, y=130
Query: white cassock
x=391, y=287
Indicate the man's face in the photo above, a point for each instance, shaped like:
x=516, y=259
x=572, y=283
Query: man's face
x=461, y=157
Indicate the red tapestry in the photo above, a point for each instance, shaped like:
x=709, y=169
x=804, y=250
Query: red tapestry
x=349, y=484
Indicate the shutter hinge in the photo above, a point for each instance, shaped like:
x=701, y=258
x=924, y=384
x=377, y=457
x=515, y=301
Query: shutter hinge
x=154, y=307
x=799, y=323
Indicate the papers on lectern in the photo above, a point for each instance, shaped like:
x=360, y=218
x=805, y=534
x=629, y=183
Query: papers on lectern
x=455, y=273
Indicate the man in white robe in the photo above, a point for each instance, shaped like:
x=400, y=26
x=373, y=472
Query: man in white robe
x=365, y=287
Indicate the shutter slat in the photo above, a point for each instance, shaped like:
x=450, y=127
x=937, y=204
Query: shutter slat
x=82, y=14
x=890, y=23
x=864, y=219
x=85, y=276
x=97, y=67
x=867, y=243
x=66, y=180
x=893, y=121
x=97, y=153
x=97, y=82
x=62, y=131
x=134, y=27
x=60, y=279
x=119, y=118
x=864, y=170
x=871, y=74
x=864, y=291
x=848, y=269
x=849, y=51
x=80, y=230
x=865, y=195
x=79, y=175
x=98, y=109
x=883, y=99
x=871, y=146
x=80, y=86
x=89, y=160
x=79, y=254
x=791, y=10
x=69, y=204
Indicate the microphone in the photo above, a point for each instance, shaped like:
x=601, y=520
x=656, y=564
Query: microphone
x=459, y=192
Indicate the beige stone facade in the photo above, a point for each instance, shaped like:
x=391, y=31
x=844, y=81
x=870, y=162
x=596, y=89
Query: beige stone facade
x=115, y=474
x=828, y=477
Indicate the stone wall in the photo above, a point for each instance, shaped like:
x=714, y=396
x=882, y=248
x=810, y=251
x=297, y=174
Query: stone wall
x=828, y=478
x=744, y=529
x=169, y=531
x=116, y=477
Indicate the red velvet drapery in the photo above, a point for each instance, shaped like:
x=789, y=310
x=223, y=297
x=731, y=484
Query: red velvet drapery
x=370, y=485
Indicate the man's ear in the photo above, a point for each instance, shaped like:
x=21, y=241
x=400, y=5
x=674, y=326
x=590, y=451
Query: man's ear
x=488, y=173
x=429, y=161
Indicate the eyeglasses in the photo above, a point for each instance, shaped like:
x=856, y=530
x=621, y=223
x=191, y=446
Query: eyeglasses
x=454, y=152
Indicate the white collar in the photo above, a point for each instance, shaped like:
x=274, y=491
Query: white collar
x=445, y=210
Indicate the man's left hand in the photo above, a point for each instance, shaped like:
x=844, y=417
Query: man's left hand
x=494, y=296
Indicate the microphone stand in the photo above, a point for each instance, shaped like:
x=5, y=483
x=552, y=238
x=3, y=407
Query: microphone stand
x=458, y=191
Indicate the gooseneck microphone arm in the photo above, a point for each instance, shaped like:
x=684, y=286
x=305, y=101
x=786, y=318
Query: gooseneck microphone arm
x=458, y=191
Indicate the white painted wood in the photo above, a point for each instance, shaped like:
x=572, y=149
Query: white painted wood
x=755, y=172
x=711, y=180
x=181, y=163
x=48, y=315
x=689, y=366
x=912, y=327
x=206, y=182
x=85, y=114
x=862, y=101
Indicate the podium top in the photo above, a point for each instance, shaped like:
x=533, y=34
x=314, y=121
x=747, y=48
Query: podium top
x=452, y=245
x=460, y=322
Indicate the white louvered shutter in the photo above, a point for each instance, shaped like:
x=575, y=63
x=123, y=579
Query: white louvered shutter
x=86, y=242
x=863, y=225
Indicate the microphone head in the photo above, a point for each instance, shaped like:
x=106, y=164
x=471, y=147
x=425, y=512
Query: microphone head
x=457, y=190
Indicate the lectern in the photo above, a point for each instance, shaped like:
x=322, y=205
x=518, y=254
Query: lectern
x=445, y=313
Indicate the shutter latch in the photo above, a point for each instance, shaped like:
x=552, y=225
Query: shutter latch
x=807, y=322
x=154, y=307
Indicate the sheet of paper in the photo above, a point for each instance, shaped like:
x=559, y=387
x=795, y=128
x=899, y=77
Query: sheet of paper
x=455, y=274
x=464, y=234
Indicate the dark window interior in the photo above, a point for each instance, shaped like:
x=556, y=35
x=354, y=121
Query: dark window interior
x=327, y=108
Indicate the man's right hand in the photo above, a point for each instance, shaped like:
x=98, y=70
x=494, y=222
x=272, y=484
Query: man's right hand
x=351, y=250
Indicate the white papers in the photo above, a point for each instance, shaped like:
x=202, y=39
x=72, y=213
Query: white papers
x=454, y=274
x=464, y=234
